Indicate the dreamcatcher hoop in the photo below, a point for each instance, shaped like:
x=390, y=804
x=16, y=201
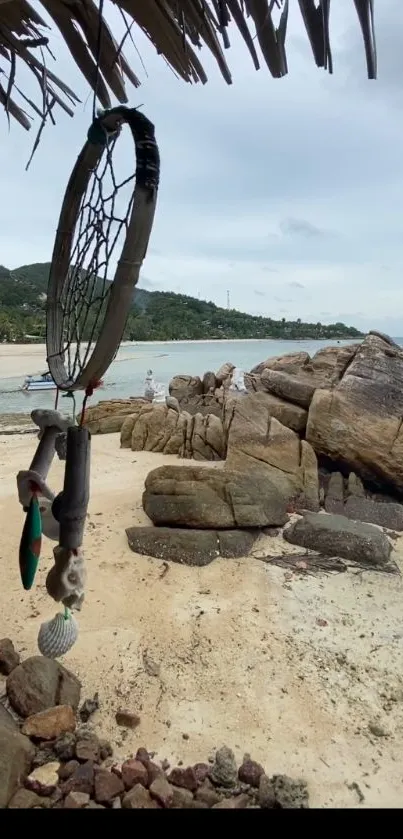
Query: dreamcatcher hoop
x=104, y=130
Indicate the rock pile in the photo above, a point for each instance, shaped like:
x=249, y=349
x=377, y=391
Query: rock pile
x=50, y=760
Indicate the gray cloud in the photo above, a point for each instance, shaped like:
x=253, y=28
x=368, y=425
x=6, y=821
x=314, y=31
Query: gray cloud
x=255, y=179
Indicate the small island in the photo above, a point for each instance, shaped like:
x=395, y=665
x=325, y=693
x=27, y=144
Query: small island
x=155, y=316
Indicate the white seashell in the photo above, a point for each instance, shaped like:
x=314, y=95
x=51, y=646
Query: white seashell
x=57, y=636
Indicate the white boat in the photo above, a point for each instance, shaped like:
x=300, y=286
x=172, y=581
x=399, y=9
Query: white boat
x=42, y=381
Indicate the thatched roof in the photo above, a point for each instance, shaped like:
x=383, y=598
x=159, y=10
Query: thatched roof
x=177, y=28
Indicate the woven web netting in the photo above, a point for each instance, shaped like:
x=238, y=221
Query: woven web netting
x=100, y=232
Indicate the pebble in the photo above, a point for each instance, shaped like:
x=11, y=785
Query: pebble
x=161, y=790
x=134, y=772
x=139, y=798
x=250, y=772
x=185, y=778
x=127, y=719
x=82, y=780
x=107, y=786
x=225, y=771
x=88, y=747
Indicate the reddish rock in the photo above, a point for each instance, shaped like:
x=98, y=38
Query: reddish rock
x=139, y=798
x=50, y=724
x=250, y=772
x=76, y=800
x=183, y=778
x=106, y=749
x=82, y=780
x=127, y=719
x=66, y=769
x=107, y=786
x=134, y=772
x=162, y=791
x=154, y=771
x=142, y=755
x=88, y=747
x=9, y=658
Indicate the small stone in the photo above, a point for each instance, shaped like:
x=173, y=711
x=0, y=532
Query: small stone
x=377, y=730
x=208, y=794
x=181, y=798
x=250, y=772
x=161, y=790
x=185, y=736
x=127, y=719
x=88, y=747
x=24, y=799
x=237, y=802
x=9, y=658
x=185, y=778
x=267, y=798
x=66, y=770
x=76, y=800
x=65, y=747
x=134, y=772
x=94, y=806
x=202, y=771
x=225, y=771
x=88, y=708
x=154, y=771
x=106, y=749
x=44, y=779
x=82, y=780
x=107, y=786
x=50, y=724
x=139, y=798
x=142, y=755
x=289, y=794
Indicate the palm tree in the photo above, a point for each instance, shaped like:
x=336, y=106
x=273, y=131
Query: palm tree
x=177, y=28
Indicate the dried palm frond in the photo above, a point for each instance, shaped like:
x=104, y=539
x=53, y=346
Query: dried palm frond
x=175, y=27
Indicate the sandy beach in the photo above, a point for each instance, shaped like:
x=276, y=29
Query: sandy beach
x=305, y=673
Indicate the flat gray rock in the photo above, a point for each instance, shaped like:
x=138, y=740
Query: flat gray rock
x=333, y=535
x=189, y=547
x=385, y=514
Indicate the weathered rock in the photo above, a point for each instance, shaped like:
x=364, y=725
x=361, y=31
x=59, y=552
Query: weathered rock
x=290, y=415
x=25, y=799
x=198, y=497
x=290, y=363
x=82, y=780
x=127, y=718
x=158, y=428
x=181, y=798
x=107, y=786
x=334, y=499
x=259, y=445
x=338, y=536
x=224, y=772
x=224, y=373
x=66, y=770
x=290, y=794
x=358, y=423
x=40, y=683
x=16, y=755
x=237, y=802
x=181, y=386
x=9, y=658
x=208, y=794
x=250, y=772
x=189, y=547
x=209, y=382
x=88, y=747
x=355, y=486
x=267, y=798
x=388, y=514
x=161, y=790
x=50, y=724
x=139, y=798
x=88, y=708
x=65, y=747
x=44, y=754
x=206, y=404
x=134, y=772
x=76, y=800
x=289, y=388
x=44, y=779
x=183, y=777
x=107, y=416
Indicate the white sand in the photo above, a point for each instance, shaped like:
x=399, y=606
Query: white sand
x=243, y=660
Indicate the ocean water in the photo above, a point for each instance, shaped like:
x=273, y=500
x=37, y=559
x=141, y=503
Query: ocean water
x=125, y=376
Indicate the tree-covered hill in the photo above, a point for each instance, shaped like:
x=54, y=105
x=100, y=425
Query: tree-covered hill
x=155, y=316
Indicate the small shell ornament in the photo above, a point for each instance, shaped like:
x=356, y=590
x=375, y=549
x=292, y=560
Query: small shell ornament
x=58, y=635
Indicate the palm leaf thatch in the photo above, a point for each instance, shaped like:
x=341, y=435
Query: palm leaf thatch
x=177, y=28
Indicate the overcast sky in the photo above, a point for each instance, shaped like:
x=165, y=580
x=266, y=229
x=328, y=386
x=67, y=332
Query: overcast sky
x=288, y=192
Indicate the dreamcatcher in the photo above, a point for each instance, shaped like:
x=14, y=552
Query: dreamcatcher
x=85, y=321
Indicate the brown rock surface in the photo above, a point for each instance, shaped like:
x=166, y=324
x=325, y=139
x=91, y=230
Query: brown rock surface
x=9, y=658
x=207, y=498
x=16, y=755
x=40, y=683
x=157, y=428
x=50, y=724
x=107, y=416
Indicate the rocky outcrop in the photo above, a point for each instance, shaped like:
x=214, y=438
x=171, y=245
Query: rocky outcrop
x=212, y=498
x=189, y=547
x=157, y=428
x=359, y=421
x=107, y=417
x=333, y=535
x=258, y=444
x=188, y=386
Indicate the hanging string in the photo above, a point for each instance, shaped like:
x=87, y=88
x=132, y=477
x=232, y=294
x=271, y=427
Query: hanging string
x=98, y=56
x=56, y=398
x=88, y=393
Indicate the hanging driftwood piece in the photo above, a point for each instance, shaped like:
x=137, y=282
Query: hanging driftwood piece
x=76, y=488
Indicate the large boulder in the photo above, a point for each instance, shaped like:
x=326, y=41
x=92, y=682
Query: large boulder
x=212, y=498
x=189, y=547
x=334, y=535
x=16, y=755
x=359, y=422
x=291, y=363
x=258, y=444
x=107, y=417
x=157, y=428
x=185, y=386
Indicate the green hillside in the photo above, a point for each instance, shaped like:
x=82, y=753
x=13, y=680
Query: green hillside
x=155, y=316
